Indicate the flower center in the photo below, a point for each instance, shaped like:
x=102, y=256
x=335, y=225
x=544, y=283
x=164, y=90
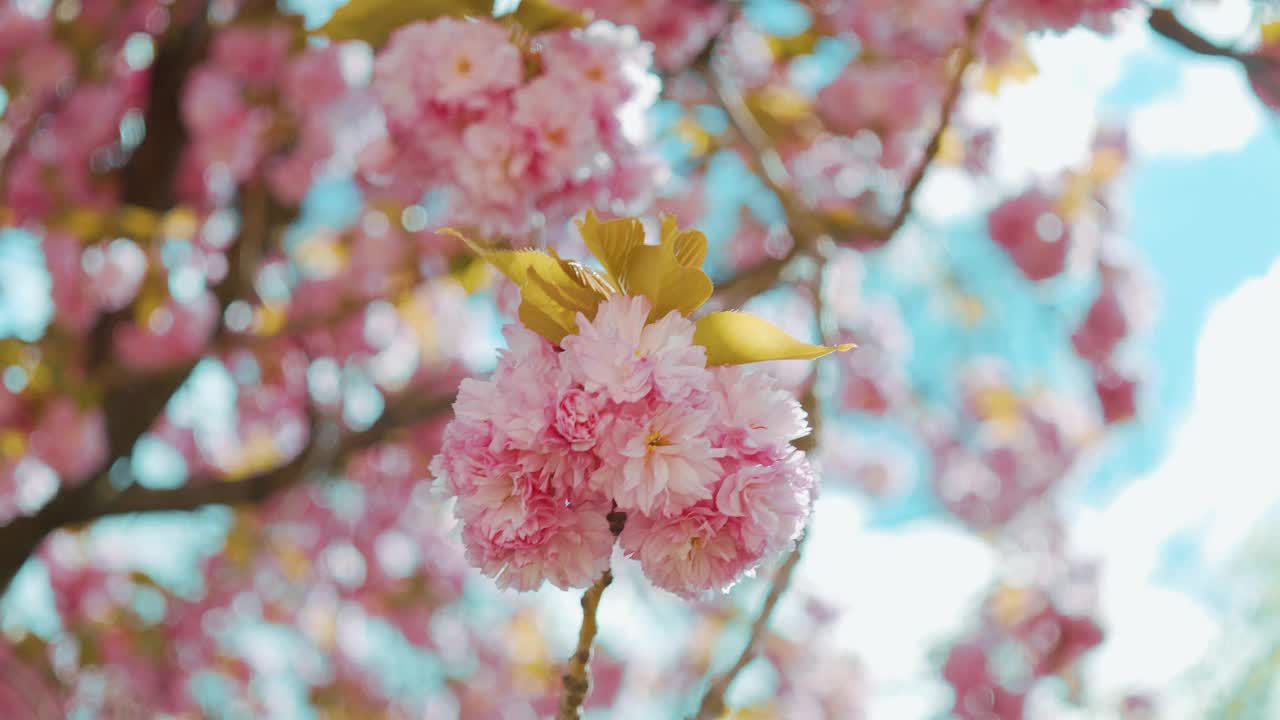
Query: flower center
x=655, y=439
x=695, y=542
x=595, y=73
x=464, y=66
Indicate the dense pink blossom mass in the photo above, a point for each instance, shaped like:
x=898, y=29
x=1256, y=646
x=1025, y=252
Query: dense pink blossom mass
x=476, y=119
x=624, y=417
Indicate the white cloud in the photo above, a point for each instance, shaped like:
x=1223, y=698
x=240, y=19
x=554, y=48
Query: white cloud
x=906, y=591
x=1044, y=124
x=1213, y=110
x=1048, y=123
x=1220, y=478
x=1226, y=22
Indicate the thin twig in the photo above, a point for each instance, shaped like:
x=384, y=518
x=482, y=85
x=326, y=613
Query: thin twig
x=713, y=702
x=807, y=225
x=967, y=54
x=577, y=679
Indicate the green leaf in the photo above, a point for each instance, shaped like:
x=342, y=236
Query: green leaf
x=655, y=273
x=373, y=21
x=736, y=338
x=612, y=243
x=552, y=290
x=540, y=16
x=689, y=246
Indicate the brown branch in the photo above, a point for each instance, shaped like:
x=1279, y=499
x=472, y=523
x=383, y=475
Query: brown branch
x=712, y=705
x=321, y=453
x=131, y=407
x=1263, y=70
x=95, y=500
x=967, y=54
x=1167, y=25
x=577, y=680
x=808, y=225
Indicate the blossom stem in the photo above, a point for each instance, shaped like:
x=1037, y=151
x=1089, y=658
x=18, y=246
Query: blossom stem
x=577, y=679
x=712, y=705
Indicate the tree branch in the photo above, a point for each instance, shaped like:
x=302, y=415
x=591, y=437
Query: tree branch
x=131, y=407
x=1167, y=25
x=577, y=679
x=967, y=54
x=1262, y=69
x=90, y=501
x=320, y=454
x=808, y=225
x=712, y=705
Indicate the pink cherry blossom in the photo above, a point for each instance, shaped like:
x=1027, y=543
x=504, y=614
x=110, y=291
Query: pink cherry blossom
x=578, y=419
x=253, y=55
x=978, y=693
x=1036, y=237
x=659, y=459
x=70, y=440
x=772, y=500
x=754, y=414
x=566, y=545
x=1061, y=15
x=550, y=108
x=618, y=354
x=1103, y=327
x=678, y=31
x=1117, y=394
x=689, y=554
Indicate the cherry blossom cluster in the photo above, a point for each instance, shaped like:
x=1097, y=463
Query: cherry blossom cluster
x=1043, y=232
x=624, y=417
x=1034, y=624
x=678, y=31
x=261, y=105
x=1062, y=15
x=74, y=128
x=523, y=132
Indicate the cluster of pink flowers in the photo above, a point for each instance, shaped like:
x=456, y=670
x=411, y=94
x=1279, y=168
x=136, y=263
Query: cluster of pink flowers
x=623, y=417
x=888, y=98
x=678, y=31
x=65, y=443
x=1100, y=334
x=242, y=104
x=1031, y=229
x=518, y=147
x=1032, y=625
x=1062, y=15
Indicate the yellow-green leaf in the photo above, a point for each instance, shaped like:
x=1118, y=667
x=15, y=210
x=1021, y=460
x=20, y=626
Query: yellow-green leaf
x=540, y=16
x=585, y=276
x=552, y=290
x=549, y=325
x=736, y=338
x=689, y=246
x=575, y=299
x=373, y=21
x=655, y=273
x=612, y=243
x=1271, y=33
x=471, y=272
